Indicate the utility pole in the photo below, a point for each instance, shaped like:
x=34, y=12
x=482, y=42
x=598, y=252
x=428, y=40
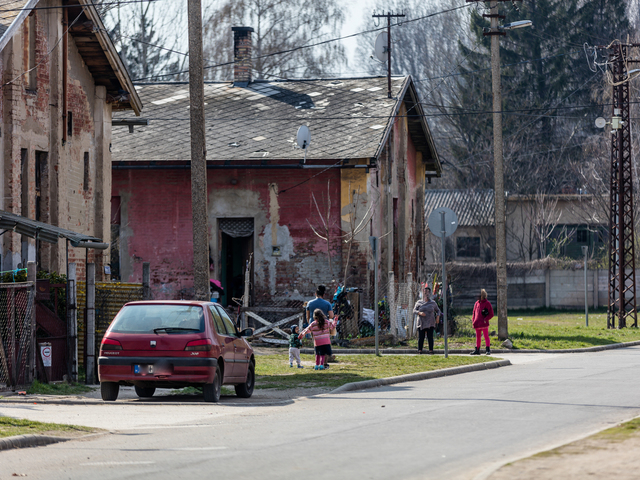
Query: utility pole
x=388, y=16
x=498, y=162
x=198, y=154
x=622, y=264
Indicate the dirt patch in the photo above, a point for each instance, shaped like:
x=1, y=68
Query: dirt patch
x=599, y=456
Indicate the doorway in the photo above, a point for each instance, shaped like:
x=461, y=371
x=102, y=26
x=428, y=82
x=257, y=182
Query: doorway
x=236, y=235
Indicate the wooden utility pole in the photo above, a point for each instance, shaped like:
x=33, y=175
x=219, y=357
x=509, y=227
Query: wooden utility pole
x=198, y=154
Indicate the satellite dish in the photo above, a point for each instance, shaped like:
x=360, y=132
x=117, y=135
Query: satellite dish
x=600, y=122
x=381, y=47
x=304, y=137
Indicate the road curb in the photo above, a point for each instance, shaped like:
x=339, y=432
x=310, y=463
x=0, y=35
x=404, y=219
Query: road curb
x=23, y=441
x=406, y=351
x=413, y=377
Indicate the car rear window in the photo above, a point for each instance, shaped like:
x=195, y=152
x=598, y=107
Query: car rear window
x=172, y=319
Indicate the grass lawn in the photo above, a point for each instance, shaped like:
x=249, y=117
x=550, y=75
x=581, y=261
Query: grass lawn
x=545, y=330
x=273, y=371
x=62, y=388
x=13, y=426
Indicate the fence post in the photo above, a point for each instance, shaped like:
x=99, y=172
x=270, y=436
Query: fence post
x=31, y=277
x=393, y=317
x=91, y=324
x=146, y=280
x=245, y=297
x=410, y=302
x=547, y=288
x=595, y=288
x=72, y=322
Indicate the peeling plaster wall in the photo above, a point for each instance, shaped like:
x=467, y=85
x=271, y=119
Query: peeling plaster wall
x=156, y=227
x=32, y=122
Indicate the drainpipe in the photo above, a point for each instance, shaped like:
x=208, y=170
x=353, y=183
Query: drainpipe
x=65, y=73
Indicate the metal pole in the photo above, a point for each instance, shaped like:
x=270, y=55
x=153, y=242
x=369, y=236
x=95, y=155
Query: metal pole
x=444, y=289
x=198, y=154
x=90, y=325
x=375, y=295
x=585, y=252
x=389, y=53
x=498, y=169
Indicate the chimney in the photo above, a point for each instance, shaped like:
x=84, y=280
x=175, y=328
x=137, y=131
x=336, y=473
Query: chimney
x=241, y=56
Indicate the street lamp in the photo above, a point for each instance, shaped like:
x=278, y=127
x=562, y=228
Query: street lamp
x=498, y=164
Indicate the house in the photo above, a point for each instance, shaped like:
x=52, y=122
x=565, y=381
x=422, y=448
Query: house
x=296, y=217
x=61, y=81
x=537, y=226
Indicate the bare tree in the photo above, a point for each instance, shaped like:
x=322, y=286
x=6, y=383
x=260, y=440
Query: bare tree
x=279, y=25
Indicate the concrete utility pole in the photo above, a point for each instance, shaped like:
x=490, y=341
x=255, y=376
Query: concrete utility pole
x=498, y=175
x=198, y=155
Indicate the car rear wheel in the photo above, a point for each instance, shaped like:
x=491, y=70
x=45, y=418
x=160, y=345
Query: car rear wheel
x=245, y=390
x=109, y=391
x=145, y=392
x=211, y=391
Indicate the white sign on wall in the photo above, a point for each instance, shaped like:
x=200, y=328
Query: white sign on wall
x=45, y=353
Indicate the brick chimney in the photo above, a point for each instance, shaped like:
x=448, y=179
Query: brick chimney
x=242, y=56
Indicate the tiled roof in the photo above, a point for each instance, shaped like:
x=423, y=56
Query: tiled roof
x=348, y=118
x=474, y=208
x=9, y=10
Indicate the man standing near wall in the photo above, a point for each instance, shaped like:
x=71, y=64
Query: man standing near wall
x=322, y=304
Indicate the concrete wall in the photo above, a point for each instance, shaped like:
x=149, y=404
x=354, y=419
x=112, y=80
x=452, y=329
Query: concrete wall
x=32, y=127
x=540, y=288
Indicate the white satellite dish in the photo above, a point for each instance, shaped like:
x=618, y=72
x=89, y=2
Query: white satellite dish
x=600, y=122
x=381, y=47
x=304, y=137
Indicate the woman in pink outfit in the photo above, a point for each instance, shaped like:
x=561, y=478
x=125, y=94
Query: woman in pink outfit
x=482, y=313
x=320, y=328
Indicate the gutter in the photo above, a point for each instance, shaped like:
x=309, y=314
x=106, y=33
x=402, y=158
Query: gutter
x=293, y=166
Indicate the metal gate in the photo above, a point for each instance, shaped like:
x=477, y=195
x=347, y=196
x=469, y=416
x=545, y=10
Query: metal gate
x=17, y=334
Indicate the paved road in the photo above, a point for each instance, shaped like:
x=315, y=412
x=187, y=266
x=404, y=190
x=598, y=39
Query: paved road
x=453, y=427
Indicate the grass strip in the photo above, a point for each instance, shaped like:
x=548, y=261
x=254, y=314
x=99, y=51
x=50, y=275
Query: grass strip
x=273, y=371
x=10, y=427
x=62, y=388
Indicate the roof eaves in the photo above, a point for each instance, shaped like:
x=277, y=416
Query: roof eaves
x=16, y=23
x=425, y=127
x=112, y=55
x=391, y=120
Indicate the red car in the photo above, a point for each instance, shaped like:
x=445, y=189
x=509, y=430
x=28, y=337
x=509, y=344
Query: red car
x=175, y=344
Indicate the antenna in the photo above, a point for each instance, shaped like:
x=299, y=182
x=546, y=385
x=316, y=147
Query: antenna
x=303, y=138
x=388, y=16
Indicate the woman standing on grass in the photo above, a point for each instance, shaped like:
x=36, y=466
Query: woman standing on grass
x=482, y=313
x=428, y=315
x=320, y=328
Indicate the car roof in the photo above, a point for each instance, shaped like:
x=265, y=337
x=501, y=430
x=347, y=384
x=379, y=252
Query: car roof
x=194, y=303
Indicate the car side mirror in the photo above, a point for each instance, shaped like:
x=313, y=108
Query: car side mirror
x=247, y=332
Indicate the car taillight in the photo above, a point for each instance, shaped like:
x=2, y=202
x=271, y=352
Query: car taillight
x=203, y=345
x=110, y=344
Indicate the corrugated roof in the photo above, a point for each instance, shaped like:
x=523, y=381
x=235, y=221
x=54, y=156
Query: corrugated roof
x=45, y=232
x=348, y=118
x=474, y=208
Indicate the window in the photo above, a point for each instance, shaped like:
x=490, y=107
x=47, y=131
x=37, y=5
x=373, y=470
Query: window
x=86, y=171
x=230, y=327
x=217, y=321
x=582, y=236
x=31, y=54
x=468, y=247
x=170, y=319
x=70, y=123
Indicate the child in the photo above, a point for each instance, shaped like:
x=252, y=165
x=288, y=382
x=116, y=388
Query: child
x=294, y=347
x=320, y=328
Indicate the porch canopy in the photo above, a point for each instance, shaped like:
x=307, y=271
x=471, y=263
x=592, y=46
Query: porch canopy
x=47, y=233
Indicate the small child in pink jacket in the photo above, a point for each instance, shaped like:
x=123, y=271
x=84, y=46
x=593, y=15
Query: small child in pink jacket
x=482, y=313
x=320, y=328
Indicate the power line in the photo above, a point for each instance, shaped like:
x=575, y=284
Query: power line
x=324, y=42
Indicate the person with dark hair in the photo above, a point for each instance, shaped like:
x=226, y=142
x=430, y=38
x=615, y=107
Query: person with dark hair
x=482, y=313
x=319, y=303
x=294, y=347
x=428, y=316
x=320, y=328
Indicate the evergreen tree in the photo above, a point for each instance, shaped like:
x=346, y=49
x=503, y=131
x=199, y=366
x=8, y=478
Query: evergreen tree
x=544, y=71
